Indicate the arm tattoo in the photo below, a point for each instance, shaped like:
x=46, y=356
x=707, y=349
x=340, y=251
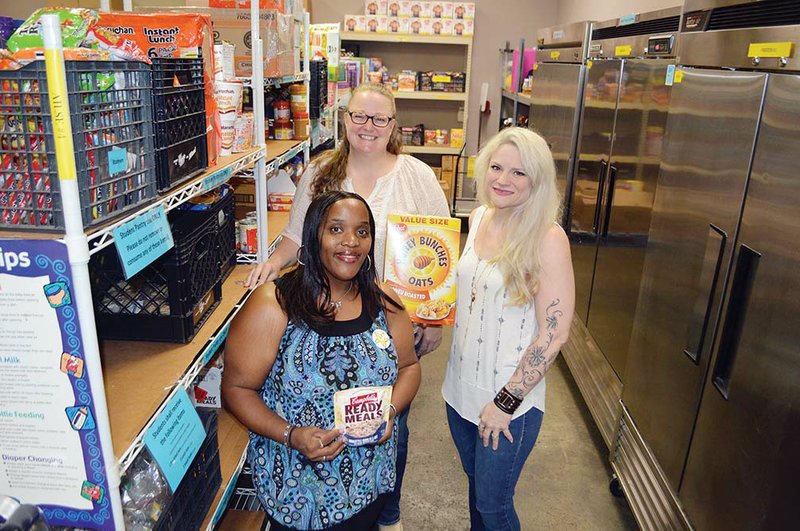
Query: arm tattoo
x=538, y=356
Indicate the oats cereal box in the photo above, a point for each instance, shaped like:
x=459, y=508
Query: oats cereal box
x=362, y=413
x=421, y=257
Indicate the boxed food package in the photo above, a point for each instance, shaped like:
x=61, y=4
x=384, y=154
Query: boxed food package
x=447, y=26
x=437, y=171
x=405, y=8
x=362, y=413
x=463, y=27
x=397, y=25
x=407, y=81
x=456, y=138
x=442, y=9
x=430, y=136
x=441, y=81
x=413, y=135
x=175, y=35
x=439, y=26
x=427, y=26
x=464, y=10
x=421, y=255
x=376, y=24
x=280, y=201
x=355, y=23
x=375, y=7
x=393, y=9
x=448, y=161
x=415, y=26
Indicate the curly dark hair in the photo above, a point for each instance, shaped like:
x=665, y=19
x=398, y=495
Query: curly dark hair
x=304, y=293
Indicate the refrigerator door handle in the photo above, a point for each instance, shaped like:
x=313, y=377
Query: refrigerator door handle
x=612, y=179
x=601, y=179
x=743, y=277
x=709, y=275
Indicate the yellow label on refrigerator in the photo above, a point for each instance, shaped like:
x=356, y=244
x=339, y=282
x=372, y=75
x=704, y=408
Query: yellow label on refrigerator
x=555, y=55
x=770, y=49
x=623, y=50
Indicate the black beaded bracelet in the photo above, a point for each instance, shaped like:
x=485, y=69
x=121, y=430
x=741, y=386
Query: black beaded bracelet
x=506, y=402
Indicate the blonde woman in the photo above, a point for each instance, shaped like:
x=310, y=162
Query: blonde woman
x=516, y=296
x=368, y=162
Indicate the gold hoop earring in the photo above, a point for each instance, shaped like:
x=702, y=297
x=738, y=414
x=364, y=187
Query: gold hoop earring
x=299, y=252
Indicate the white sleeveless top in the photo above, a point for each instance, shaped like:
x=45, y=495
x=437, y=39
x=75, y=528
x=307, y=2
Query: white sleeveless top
x=489, y=338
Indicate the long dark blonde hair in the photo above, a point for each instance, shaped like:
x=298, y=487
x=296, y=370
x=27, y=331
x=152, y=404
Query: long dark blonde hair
x=332, y=167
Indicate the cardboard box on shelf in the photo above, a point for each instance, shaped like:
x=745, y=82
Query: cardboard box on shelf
x=419, y=9
x=354, y=23
x=406, y=81
x=376, y=24
x=415, y=26
x=375, y=7
x=397, y=25
x=393, y=9
x=457, y=138
x=427, y=26
x=405, y=8
x=464, y=10
x=449, y=161
x=463, y=28
x=437, y=171
x=442, y=9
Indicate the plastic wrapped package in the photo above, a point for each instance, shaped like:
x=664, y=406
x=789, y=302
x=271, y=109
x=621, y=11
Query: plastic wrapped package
x=145, y=494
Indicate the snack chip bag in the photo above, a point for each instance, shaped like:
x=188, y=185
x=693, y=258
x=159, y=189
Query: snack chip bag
x=75, y=24
x=421, y=255
x=362, y=413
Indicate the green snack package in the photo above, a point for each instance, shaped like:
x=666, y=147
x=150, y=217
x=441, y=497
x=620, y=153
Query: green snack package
x=75, y=24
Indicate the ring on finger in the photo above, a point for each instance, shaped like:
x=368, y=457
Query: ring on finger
x=324, y=457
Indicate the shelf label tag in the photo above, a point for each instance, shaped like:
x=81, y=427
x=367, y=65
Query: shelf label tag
x=678, y=76
x=555, y=55
x=770, y=49
x=623, y=50
x=628, y=19
x=117, y=161
x=143, y=239
x=670, y=77
x=212, y=349
x=175, y=437
x=216, y=179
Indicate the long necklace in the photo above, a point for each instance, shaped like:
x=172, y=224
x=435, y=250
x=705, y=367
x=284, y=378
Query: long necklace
x=476, y=280
x=336, y=305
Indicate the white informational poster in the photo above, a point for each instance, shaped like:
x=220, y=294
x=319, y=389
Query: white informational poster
x=50, y=452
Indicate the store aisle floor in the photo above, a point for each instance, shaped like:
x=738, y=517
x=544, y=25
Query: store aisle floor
x=564, y=484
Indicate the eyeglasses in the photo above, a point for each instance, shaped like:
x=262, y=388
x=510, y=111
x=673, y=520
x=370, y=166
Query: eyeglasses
x=378, y=120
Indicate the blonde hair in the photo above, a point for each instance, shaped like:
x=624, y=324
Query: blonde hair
x=332, y=168
x=519, y=258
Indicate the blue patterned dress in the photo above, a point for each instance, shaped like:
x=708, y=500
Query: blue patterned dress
x=310, y=367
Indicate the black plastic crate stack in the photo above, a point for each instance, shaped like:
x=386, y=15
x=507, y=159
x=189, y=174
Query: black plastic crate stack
x=111, y=115
x=318, y=88
x=170, y=299
x=223, y=210
x=195, y=494
x=179, y=108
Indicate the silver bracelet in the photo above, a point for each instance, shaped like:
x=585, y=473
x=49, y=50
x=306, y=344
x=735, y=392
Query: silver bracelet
x=287, y=435
x=391, y=406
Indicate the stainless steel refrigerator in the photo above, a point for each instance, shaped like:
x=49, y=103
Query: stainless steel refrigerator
x=557, y=94
x=623, y=115
x=711, y=405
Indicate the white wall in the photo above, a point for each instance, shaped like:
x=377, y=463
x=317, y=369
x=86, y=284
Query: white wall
x=577, y=10
x=495, y=23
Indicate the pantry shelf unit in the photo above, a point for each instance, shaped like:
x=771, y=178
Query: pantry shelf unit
x=102, y=237
x=419, y=39
x=432, y=96
x=432, y=150
x=520, y=97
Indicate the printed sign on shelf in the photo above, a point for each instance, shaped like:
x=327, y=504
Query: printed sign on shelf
x=175, y=437
x=142, y=240
x=50, y=452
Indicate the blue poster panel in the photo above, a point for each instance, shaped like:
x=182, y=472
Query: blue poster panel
x=50, y=453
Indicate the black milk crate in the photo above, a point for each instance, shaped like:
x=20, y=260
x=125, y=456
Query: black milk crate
x=193, y=498
x=179, y=109
x=223, y=211
x=111, y=115
x=170, y=299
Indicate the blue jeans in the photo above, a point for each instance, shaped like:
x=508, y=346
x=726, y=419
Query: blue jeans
x=493, y=474
x=391, y=509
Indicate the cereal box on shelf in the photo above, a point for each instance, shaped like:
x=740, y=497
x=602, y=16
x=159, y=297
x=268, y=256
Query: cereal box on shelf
x=464, y=10
x=362, y=413
x=375, y=7
x=421, y=257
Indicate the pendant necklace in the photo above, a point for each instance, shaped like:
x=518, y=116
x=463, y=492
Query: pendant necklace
x=476, y=280
x=336, y=305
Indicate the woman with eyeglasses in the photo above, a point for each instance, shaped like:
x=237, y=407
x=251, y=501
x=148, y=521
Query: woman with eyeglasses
x=368, y=162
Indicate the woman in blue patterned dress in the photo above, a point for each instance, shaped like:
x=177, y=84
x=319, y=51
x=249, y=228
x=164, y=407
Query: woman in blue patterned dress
x=322, y=327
